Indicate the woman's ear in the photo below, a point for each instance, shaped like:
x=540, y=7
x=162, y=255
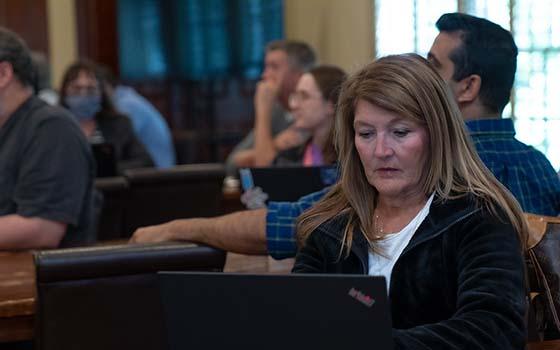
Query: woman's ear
x=330, y=108
x=469, y=88
x=6, y=74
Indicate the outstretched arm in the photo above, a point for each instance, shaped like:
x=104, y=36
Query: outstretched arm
x=241, y=232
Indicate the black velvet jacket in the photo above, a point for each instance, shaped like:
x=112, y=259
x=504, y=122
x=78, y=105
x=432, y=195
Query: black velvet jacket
x=459, y=284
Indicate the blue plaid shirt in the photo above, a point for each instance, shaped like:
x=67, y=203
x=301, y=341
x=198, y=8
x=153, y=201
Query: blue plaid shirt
x=522, y=169
x=280, y=224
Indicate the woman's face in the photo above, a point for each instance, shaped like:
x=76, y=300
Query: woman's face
x=309, y=108
x=85, y=84
x=83, y=96
x=393, y=150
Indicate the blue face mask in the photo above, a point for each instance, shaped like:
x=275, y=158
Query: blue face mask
x=84, y=107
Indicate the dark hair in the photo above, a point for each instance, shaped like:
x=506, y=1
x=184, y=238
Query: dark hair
x=329, y=80
x=71, y=74
x=14, y=51
x=300, y=55
x=487, y=50
x=107, y=75
x=42, y=69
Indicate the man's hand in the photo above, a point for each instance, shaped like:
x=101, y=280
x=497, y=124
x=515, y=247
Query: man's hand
x=265, y=96
x=153, y=234
x=289, y=138
x=244, y=158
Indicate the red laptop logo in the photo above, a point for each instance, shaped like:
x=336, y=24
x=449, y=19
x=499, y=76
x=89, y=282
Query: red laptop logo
x=361, y=297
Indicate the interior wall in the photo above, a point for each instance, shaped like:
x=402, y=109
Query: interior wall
x=340, y=31
x=62, y=35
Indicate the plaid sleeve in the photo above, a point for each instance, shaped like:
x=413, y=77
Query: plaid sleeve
x=281, y=224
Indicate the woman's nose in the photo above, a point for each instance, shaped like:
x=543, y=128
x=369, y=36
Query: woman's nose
x=293, y=102
x=382, y=147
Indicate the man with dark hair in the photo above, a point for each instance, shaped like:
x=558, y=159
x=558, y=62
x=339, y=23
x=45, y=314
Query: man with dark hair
x=481, y=94
x=285, y=62
x=47, y=171
x=478, y=60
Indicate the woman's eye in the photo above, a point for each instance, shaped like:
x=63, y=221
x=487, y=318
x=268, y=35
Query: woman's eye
x=365, y=134
x=401, y=132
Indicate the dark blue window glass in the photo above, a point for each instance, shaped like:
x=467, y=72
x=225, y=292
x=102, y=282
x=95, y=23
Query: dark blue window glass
x=196, y=39
x=141, y=48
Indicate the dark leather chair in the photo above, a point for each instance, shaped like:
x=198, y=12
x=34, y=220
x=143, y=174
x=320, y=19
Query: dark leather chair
x=107, y=297
x=543, y=266
x=161, y=195
x=114, y=192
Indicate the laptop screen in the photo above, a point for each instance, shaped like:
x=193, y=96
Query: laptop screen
x=218, y=311
x=105, y=159
x=288, y=183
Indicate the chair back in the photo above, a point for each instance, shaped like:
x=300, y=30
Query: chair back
x=114, y=192
x=543, y=266
x=161, y=195
x=107, y=297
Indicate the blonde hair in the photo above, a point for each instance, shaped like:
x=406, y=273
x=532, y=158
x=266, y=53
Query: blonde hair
x=407, y=85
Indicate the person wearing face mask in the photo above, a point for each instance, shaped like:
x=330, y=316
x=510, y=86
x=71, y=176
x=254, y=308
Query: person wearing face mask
x=83, y=93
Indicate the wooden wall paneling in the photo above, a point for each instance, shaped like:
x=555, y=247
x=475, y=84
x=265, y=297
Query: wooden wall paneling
x=96, y=21
x=28, y=18
x=206, y=118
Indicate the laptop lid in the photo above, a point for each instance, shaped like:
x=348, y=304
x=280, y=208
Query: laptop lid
x=288, y=183
x=218, y=311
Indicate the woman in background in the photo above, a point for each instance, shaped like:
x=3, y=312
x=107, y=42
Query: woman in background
x=313, y=107
x=83, y=93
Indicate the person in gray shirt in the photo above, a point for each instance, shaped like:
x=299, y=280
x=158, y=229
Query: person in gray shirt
x=47, y=170
x=285, y=62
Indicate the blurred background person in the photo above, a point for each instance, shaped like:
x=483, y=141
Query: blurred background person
x=46, y=166
x=149, y=125
x=83, y=93
x=285, y=62
x=313, y=106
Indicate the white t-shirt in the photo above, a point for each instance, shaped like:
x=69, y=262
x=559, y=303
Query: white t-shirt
x=393, y=245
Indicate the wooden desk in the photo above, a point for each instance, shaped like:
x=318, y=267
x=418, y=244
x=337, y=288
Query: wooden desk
x=17, y=283
x=18, y=293
x=545, y=345
x=231, y=201
x=17, y=296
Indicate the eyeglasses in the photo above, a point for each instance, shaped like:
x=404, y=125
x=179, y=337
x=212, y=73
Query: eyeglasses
x=75, y=88
x=300, y=96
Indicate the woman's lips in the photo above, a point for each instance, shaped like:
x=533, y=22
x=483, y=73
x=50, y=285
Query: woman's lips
x=386, y=171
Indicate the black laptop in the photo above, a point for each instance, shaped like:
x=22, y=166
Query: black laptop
x=105, y=159
x=218, y=311
x=288, y=183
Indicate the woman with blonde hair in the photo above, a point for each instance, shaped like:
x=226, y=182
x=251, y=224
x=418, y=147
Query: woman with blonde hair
x=416, y=205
